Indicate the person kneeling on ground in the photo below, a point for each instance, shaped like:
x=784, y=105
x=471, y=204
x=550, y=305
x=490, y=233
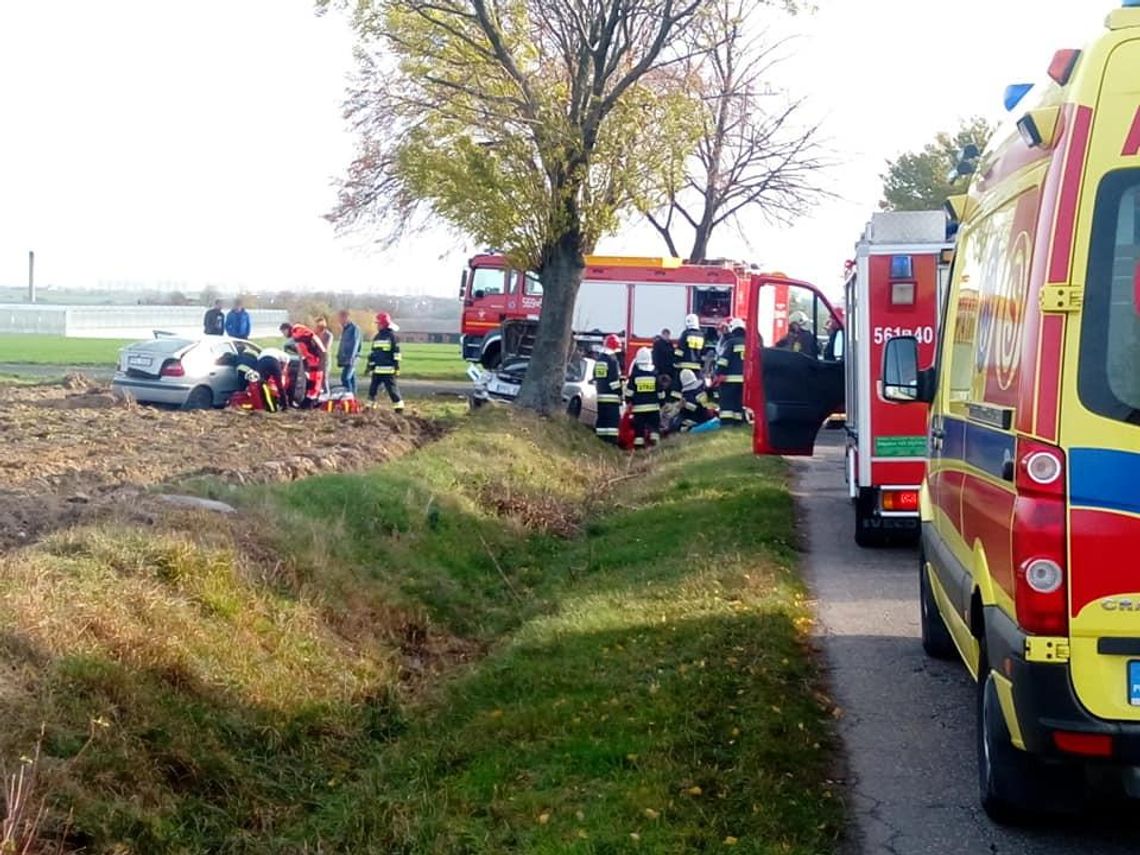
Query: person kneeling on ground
x=695, y=406
x=645, y=399
x=311, y=351
x=607, y=380
x=384, y=362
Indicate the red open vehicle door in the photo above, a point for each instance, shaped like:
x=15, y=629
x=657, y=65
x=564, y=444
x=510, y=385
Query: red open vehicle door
x=790, y=392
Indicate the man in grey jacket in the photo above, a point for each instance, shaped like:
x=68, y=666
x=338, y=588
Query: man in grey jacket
x=348, y=352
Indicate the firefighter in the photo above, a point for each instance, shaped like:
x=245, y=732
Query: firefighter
x=664, y=358
x=607, y=380
x=690, y=347
x=645, y=399
x=310, y=375
x=696, y=408
x=384, y=362
x=730, y=375
x=799, y=338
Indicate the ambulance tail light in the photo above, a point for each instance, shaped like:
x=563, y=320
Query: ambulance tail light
x=1063, y=64
x=1085, y=744
x=1039, y=554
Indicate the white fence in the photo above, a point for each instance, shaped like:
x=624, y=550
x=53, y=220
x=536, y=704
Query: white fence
x=122, y=321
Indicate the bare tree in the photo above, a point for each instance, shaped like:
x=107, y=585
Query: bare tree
x=520, y=124
x=751, y=155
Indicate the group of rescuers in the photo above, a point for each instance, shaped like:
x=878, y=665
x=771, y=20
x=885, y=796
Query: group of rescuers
x=297, y=374
x=672, y=385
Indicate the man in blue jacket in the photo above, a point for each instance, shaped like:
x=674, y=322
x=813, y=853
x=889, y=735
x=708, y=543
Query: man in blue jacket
x=348, y=352
x=237, y=321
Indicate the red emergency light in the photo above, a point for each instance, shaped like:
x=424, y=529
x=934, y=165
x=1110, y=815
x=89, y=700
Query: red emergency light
x=1061, y=68
x=900, y=500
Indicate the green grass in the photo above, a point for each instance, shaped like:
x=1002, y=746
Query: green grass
x=421, y=361
x=636, y=668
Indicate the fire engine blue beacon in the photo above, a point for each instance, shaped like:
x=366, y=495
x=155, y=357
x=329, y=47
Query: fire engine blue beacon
x=902, y=267
x=1134, y=665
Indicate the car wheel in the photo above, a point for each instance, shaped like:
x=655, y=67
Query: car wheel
x=574, y=408
x=936, y=640
x=200, y=398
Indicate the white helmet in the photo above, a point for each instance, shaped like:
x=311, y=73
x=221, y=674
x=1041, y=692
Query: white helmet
x=689, y=380
x=736, y=324
x=644, y=359
x=692, y=322
x=798, y=317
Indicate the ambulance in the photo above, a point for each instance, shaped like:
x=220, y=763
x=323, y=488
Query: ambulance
x=894, y=287
x=1029, y=567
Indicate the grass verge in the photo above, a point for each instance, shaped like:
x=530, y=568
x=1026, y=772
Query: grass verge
x=512, y=640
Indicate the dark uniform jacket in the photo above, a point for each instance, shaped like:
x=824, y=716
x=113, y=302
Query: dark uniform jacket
x=642, y=391
x=730, y=364
x=384, y=358
x=695, y=409
x=607, y=379
x=690, y=351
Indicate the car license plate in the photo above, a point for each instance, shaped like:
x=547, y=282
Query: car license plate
x=498, y=387
x=1134, y=682
x=139, y=361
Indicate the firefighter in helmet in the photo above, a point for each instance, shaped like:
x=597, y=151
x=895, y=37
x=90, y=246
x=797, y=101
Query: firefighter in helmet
x=607, y=380
x=696, y=409
x=645, y=399
x=730, y=375
x=384, y=362
x=799, y=338
x=690, y=346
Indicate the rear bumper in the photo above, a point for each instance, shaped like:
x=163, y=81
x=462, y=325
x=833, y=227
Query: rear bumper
x=1045, y=701
x=151, y=391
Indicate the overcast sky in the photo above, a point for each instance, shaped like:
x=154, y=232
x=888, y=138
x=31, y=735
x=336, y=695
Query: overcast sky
x=152, y=141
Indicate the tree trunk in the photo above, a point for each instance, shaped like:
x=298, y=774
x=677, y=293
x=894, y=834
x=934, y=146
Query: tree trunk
x=700, y=250
x=562, y=267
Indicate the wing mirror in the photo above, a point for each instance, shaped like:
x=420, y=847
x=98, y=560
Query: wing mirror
x=903, y=382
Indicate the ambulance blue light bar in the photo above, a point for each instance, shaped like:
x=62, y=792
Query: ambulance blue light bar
x=1014, y=93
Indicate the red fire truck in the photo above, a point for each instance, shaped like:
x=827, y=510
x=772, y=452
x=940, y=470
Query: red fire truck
x=894, y=288
x=633, y=297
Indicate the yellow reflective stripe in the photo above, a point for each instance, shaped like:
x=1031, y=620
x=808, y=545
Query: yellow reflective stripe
x=606, y=431
x=645, y=408
x=734, y=378
x=608, y=399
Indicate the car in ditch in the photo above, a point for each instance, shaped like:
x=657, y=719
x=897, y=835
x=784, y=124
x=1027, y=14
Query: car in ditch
x=181, y=372
x=502, y=383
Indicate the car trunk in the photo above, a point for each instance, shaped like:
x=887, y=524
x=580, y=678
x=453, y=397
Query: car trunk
x=146, y=358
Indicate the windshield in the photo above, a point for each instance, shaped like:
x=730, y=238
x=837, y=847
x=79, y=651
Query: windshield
x=1109, y=375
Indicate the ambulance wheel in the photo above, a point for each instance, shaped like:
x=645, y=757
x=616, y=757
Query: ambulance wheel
x=936, y=640
x=1006, y=774
x=200, y=398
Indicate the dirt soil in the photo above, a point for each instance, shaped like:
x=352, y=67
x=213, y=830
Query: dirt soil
x=70, y=452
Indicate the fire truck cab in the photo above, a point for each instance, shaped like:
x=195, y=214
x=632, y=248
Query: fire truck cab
x=634, y=298
x=894, y=287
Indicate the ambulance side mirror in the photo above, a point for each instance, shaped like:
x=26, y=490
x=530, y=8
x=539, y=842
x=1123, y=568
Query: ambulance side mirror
x=903, y=382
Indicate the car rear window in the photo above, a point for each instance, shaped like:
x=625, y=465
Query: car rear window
x=1109, y=374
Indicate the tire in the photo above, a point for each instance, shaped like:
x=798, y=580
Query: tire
x=866, y=536
x=200, y=398
x=1006, y=775
x=574, y=409
x=492, y=359
x=936, y=639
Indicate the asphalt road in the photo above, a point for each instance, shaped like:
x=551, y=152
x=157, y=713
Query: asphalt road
x=908, y=722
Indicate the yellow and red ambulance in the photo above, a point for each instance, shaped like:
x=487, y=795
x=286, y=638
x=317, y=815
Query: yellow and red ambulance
x=1030, y=562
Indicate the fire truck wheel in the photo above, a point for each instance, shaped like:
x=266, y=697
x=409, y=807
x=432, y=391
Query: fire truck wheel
x=868, y=530
x=936, y=640
x=200, y=398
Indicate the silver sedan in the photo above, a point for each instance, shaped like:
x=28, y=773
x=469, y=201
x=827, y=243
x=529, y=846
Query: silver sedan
x=194, y=375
